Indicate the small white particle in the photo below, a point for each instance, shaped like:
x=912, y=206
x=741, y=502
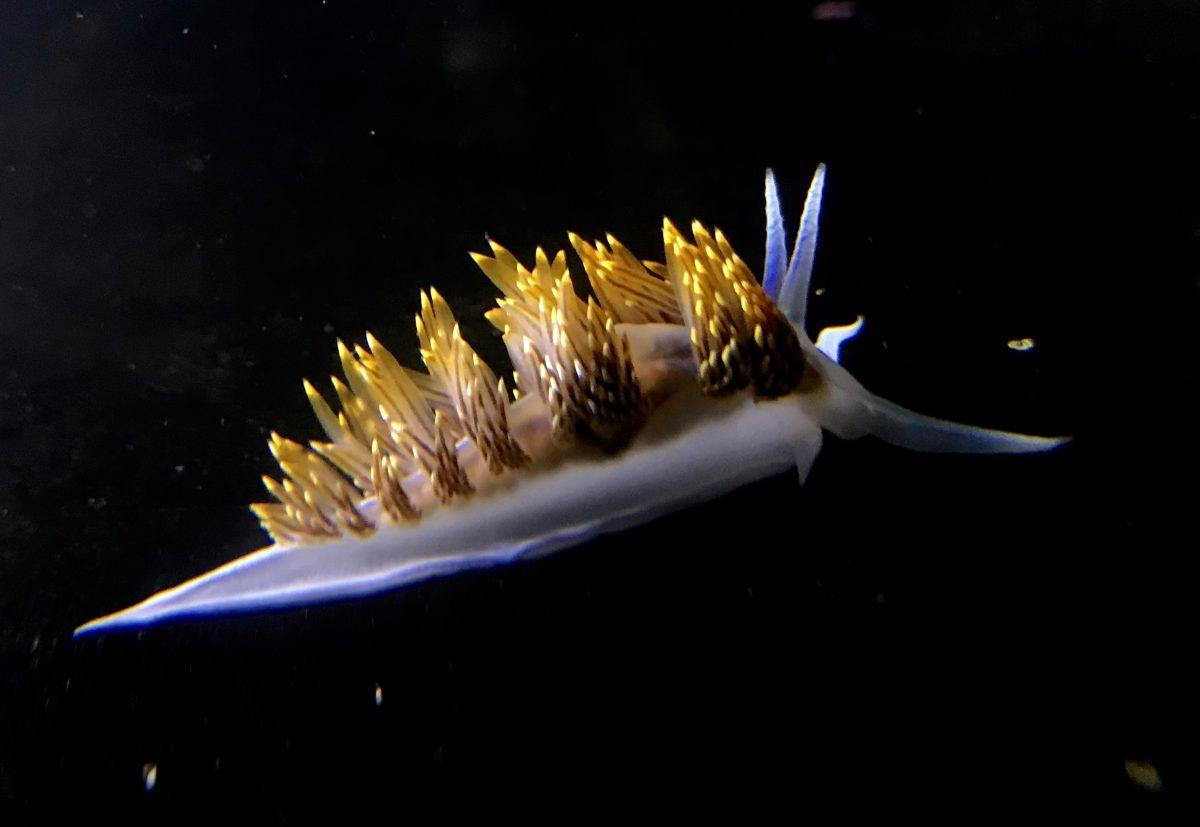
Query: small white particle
x=372, y=131
x=378, y=695
x=149, y=776
x=1021, y=345
x=187, y=29
x=78, y=15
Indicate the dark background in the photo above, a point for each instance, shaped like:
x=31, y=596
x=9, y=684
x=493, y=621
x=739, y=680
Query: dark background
x=196, y=199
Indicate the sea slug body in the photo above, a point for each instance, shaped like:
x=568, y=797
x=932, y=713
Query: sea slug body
x=676, y=381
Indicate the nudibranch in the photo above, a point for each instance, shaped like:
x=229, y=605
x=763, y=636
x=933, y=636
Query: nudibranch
x=673, y=383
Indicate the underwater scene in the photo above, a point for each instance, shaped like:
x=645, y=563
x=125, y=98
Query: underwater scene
x=416, y=410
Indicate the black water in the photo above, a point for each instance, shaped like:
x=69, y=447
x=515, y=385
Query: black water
x=195, y=202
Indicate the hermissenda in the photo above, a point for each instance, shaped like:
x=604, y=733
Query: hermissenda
x=675, y=383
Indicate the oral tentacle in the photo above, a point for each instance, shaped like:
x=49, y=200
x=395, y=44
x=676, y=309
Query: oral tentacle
x=847, y=409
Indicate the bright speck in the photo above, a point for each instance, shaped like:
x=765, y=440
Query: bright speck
x=149, y=776
x=1144, y=774
x=1021, y=344
x=372, y=131
x=186, y=29
x=78, y=15
x=378, y=695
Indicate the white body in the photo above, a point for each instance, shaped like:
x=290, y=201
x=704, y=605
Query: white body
x=742, y=441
